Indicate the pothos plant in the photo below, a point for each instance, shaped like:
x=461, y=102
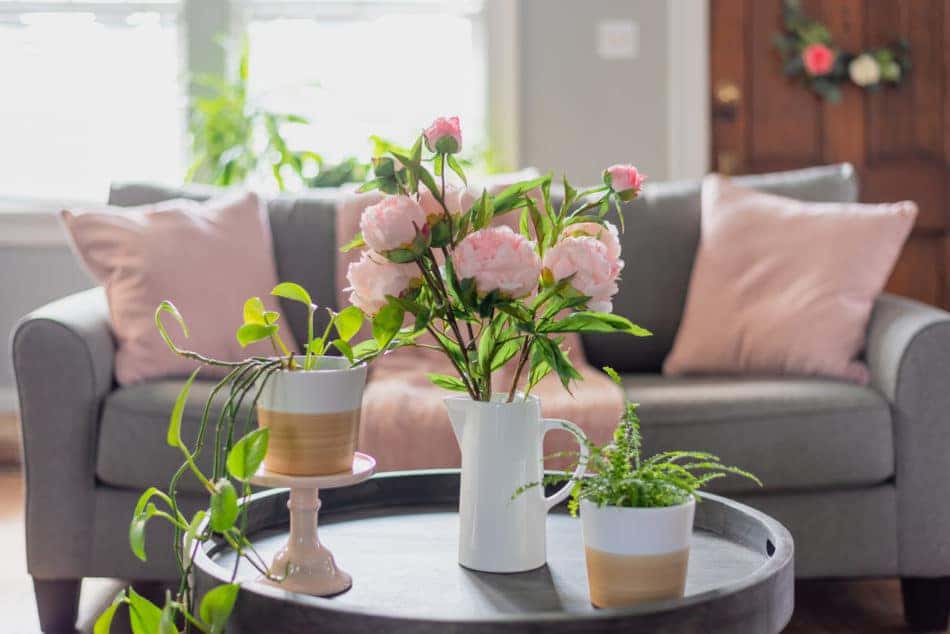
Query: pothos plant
x=237, y=451
x=618, y=474
x=486, y=293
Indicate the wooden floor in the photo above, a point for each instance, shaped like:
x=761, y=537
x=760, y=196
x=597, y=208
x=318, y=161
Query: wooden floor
x=821, y=607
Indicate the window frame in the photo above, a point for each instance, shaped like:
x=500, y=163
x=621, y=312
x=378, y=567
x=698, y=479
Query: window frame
x=31, y=220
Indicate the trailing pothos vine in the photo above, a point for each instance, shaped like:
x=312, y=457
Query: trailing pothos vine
x=237, y=450
x=808, y=51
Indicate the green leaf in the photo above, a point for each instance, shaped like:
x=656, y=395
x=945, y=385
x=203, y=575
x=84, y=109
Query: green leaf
x=224, y=507
x=252, y=333
x=173, y=437
x=485, y=213
x=486, y=348
x=316, y=346
x=167, y=307
x=247, y=454
x=437, y=164
x=447, y=382
x=145, y=616
x=348, y=322
x=355, y=243
x=254, y=311
x=344, y=349
x=370, y=185
x=191, y=534
x=137, y=535
x=104, y=622
x=400, y=256
x=454, y=165
x=505, y=353
x=293, y=292
x=614, y=376
x=387, y=323
x=365, y=349
x=555, y=357
x=595, y=322
x=216, y=606
x=167, y=623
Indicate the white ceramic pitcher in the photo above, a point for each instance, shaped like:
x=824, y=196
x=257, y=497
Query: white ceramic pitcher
x=501, y=447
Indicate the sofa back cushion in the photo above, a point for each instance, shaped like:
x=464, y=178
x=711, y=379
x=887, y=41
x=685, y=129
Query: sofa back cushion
x=659, y=246
x=178, y=250
x=304, y=239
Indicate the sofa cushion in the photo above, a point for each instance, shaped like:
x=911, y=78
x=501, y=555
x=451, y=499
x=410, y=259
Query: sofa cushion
x=659, y=246
x=794, y=434
x=304, y=234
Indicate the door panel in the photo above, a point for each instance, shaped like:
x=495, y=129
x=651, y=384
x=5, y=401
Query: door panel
x=897, y=138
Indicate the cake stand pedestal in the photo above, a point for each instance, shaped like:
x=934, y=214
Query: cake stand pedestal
x=305, y=565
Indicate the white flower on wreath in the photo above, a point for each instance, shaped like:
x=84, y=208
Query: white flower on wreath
x=864, y=70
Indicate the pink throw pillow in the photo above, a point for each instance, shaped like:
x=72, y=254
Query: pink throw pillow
x=206, y=258
x=781, y=286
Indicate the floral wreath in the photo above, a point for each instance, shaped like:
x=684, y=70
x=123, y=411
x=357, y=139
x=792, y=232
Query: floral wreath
x=808, y=52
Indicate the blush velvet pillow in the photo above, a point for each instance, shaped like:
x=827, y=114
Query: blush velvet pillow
x=206, y=258
x=781, y=286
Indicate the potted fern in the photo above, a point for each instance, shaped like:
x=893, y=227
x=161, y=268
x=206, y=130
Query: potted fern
x=637, y=513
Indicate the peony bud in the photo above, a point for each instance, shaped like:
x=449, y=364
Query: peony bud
x=444, y=135
x=626, y=180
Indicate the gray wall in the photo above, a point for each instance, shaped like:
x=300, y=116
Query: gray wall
x=31, y=276
x=579, y=112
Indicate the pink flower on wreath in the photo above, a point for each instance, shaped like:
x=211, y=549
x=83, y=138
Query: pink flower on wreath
x=625, y=179
x=818, y=59
x=458, y=200
x=594, y=273
x=444, y=135
x=392, y=223
x=374, y=277
x=499, y=260
x=607, y=233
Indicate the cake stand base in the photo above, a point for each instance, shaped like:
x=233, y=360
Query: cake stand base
x=304, y=564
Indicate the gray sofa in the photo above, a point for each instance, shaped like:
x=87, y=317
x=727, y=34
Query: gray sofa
x=858, y=474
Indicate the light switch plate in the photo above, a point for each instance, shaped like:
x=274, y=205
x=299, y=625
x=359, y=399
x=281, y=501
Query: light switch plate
x=618, y=39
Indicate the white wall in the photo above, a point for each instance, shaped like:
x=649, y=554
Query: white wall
x=580, y=112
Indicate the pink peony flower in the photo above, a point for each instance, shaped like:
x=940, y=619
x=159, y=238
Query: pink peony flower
x=625, y=178
x=818, y=59
x=391, y=223
x=498, y=259
x=595, y=274
x=606, y=233
x=458, y=200
x=444, y=135
x=374, y=277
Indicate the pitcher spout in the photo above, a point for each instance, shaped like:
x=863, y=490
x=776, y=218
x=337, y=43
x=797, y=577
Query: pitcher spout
x=457, y=408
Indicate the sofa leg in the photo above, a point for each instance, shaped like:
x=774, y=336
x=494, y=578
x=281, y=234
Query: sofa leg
x=926, y=603
x=57, y=602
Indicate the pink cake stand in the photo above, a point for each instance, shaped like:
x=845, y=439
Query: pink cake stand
x=305, y=565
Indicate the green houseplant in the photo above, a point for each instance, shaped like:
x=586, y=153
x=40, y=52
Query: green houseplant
x=637, y=513
x=237, y=451
x=235, y=137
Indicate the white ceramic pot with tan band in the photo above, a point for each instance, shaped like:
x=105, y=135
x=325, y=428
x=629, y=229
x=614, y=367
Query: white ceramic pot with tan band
x=636, y=555
x=313, y=417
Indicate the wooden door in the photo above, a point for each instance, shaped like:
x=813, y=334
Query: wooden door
x=897, y=138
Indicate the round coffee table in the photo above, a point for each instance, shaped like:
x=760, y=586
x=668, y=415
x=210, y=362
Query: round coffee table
x=396, y=534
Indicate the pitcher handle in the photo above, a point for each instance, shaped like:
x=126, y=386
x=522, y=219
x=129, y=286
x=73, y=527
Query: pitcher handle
x=558, y=423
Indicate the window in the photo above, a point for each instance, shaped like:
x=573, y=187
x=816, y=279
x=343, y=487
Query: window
x=93, y=91
x=90, y=94
x=343, y=65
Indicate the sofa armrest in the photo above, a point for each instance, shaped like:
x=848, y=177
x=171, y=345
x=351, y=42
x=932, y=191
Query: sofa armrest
x=908, y=352
x=63, y=356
